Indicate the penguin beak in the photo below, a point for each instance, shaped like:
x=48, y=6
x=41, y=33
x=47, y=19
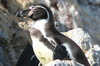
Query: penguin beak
x=23, y=13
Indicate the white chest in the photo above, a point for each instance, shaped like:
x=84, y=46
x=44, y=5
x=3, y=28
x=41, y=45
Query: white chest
x=43, y=53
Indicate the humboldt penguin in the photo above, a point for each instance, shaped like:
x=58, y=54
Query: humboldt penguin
x=48, y=44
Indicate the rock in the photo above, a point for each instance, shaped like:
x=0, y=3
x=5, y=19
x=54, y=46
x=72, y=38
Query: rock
x=1, y=56
x=1, y=64
x=63, y=63
x=93, y=55
x=81, y=37
x=88, y=17
x=3, y=60
x=12, y=38
x=15, y=5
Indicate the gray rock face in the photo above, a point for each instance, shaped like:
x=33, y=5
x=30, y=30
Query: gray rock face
x=1, y=56
x=93, y=55
x=89, y=14
x=12, y=38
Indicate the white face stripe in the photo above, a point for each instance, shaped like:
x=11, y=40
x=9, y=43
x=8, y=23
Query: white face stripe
x=40, y=24
x=48, y=15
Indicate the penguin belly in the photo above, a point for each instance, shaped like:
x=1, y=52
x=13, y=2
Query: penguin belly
x=43, y=53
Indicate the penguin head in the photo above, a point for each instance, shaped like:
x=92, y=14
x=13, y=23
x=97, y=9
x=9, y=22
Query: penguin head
x=36, y=12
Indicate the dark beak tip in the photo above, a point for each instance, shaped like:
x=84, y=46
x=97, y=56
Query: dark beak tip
x=23, y=13
x=18, y=14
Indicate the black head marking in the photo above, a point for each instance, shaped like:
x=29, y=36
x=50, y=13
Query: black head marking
x=36, y=12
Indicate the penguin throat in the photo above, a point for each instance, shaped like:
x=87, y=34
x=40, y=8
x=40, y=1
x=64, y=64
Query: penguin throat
x=41, y=25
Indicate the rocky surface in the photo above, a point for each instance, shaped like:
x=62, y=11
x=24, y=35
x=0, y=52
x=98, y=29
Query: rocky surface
x=93, y=55
x=12, y=37
x=79, y=17
x=89, y=14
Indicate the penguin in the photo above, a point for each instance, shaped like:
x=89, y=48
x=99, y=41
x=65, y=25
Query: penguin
x=49, y=44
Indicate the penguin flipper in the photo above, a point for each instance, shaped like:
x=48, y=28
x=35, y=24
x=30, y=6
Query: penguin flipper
x=60, y=53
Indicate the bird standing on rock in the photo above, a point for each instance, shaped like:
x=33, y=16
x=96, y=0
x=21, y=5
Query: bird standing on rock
x=49, y=44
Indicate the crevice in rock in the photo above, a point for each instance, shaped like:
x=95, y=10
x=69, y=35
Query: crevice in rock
x=4, y=2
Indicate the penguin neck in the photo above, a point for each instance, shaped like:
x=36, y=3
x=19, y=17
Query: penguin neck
x=42, y=25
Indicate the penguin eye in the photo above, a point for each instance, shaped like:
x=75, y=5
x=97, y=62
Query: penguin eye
x=31, y=7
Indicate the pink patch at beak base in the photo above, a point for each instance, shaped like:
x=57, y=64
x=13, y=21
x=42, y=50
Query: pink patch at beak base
x=32, y=9
x=30, y=13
